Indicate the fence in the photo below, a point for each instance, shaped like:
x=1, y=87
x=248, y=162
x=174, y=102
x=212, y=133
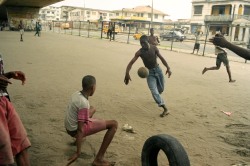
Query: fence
x=131, y=31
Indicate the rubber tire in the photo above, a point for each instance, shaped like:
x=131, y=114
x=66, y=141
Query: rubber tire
x=174, y=151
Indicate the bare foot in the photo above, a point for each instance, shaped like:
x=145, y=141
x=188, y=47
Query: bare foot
x=164, y=113
x=232, y=81
x=102, y=163
x=204, y=70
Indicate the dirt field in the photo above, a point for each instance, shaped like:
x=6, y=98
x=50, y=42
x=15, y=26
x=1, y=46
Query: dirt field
x=55, y=64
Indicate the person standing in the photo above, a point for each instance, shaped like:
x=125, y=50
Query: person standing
x=21, y=29
x=154, y=40
x=149, y=54
x=197, y=41
x=38, y=29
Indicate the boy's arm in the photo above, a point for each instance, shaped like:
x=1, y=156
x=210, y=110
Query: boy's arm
x=157, y=39
x=18, y=75
x=164, y=62
x=222, y=42
x=130, y=64
x=79, y=137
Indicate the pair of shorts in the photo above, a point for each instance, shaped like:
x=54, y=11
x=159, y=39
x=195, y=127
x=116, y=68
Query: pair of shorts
x=197, y=46
x=21, y=31
x=93, y=126
x=13, y=136
x=222, y=58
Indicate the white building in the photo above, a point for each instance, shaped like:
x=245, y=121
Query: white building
x=50, y=13
x=140, y=13
x=231, y=18
x=88, y=14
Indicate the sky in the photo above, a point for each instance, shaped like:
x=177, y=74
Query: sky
x=177, y=9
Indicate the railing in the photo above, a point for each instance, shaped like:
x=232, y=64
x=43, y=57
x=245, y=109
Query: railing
x=219, y=18
x=247, y=17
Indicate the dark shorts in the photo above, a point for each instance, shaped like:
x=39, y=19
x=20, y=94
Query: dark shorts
x=222, y=58
x=197, y=46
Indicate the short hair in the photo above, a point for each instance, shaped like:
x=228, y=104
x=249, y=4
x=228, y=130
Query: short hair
x=88, y=82
x=143, y=38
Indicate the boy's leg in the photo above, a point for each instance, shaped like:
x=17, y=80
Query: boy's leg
x=22, y=158
x=229, y=74
x=111, y=125
x=217, y=67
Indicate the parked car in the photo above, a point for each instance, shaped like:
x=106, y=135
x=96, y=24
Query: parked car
x=173, y=35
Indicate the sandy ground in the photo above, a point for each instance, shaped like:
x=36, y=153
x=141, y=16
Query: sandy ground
x=55, y=64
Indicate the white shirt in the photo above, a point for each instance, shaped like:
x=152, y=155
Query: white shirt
x=76, y=103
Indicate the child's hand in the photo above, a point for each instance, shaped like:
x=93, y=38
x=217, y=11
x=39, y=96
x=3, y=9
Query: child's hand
x=169, y=73
x=127, y=79
x=19, y=76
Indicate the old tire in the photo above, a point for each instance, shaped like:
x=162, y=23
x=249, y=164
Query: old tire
x=174, y=151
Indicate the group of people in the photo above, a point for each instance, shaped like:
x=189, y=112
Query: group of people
x=79, y=121
x=38, y=29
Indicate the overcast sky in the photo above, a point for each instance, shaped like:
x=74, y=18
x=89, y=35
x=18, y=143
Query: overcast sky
x=177, y=9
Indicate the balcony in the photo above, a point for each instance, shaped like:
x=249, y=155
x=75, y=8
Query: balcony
x=219, y=18
x=247, y=17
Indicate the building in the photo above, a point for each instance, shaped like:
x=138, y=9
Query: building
x=142, y=14
x=88, y=14
x=50, y=13
x=231, y=18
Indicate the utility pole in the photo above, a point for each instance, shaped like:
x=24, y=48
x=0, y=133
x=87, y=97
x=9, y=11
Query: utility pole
x=152, y=13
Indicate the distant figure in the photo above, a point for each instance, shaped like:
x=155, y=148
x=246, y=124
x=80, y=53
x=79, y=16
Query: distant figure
x=79, y=121
x=38, y=29
x=221, y=57
x=21, y=29
x=197, y=41
x=50, y=26
x=220, y=40
x=154, y=40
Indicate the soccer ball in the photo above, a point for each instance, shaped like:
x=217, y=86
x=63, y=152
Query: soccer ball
x=142, y=72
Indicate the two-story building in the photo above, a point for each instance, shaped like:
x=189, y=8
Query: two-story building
x=89, y=14
x=50, y=13
x=230, y=17
x=142, y=14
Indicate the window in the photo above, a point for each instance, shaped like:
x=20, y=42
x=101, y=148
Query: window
x=156, y=16
x=149, y=15
x=104, y=14
x=117, y=14
x=48, y=11
x=246, y=10
x=141, y=14
x=93, y=13
x=198, y=9
x=88, y=12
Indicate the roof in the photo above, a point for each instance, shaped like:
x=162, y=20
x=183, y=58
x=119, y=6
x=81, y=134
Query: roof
x=142, y=9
